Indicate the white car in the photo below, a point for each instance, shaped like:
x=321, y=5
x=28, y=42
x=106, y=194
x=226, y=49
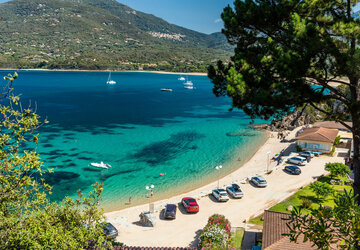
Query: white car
x=307, y=154
x=259, y=181
x=297, y=160
x=235, y=191
x=220, y=194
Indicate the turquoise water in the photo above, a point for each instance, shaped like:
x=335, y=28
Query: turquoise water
x=136, y=128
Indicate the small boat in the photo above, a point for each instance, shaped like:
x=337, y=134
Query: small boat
x=168, y=90
x=100, y=165
x=181, y=78
x=109, y=81
x=189, y=87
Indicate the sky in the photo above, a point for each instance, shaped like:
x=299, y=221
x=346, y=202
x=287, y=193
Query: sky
x=199, y=15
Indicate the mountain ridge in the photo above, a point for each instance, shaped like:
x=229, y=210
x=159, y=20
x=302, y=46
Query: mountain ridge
x=73, y=34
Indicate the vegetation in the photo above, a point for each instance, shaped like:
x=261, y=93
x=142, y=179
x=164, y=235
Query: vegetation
x=337, y=140
x=337, y=169
x=237, y=238
x=99, y=35
x=290, y=53
x=28, y=219
x=321, y=189
x=325, y=227
x=216, y=234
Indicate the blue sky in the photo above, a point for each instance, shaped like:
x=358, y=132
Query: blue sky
x=199, y=15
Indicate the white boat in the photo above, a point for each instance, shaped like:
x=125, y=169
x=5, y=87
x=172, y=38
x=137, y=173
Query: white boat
x=109, y=81
x=188, y=83
x=189, y=87
x=181, y=78
x=100, y=165
x=168, y=90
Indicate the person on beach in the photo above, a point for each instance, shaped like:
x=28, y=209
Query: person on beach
x=130, y=200
x=151, y=193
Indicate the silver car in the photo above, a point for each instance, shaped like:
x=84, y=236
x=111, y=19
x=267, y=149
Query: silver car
x=297, y=160
x=259, y=181
x=235, y=191
x=220, y=195
x=306, y=154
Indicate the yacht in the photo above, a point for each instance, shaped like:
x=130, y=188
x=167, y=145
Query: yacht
x=189, y=86
x=100, y=165
x=109, y=81
x=168, y=90
x=181, y=78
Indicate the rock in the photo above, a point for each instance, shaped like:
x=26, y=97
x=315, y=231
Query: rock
x=290, y=208
x=289, y=122
x=148, y=219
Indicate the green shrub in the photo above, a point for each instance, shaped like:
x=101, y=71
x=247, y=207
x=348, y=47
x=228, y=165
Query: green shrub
x=216, y=234
x=306, y=202
x=337, y=140
x=337, y=169
x=298, y=148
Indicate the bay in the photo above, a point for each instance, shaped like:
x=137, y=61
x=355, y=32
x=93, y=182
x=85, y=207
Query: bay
x=172, y=140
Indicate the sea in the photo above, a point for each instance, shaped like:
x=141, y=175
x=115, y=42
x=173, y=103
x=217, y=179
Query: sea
x=171, y=140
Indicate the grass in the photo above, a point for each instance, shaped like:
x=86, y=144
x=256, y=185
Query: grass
x=306, y=192
x=237, y=237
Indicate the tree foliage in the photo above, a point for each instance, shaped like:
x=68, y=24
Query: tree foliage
x=28, y=219
x=337, y=169
x=291, y=53
x=328, y=227
x=321, y=189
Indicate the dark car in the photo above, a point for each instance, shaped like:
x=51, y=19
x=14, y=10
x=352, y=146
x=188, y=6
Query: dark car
x=170, y=211
x=110, y=230
x=293, y=170
x=190, y=205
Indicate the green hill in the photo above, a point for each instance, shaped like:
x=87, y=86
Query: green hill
x=99, y=34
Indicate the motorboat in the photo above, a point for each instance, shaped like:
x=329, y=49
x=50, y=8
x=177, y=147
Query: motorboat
x=100, y=165
x=109, y=81
x=189, y=86
x=181, y=78
x=165, y=89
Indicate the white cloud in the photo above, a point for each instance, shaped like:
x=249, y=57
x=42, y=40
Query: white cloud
x=218, y=20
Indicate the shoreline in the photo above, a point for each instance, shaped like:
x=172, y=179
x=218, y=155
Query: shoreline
x=105, y=71
x=207, y=181
x=183, y=231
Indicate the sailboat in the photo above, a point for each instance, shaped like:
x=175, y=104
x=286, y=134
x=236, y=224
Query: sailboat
x=188, y=83
x=109, y=81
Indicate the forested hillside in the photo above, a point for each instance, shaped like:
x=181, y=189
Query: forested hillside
x=99, y=34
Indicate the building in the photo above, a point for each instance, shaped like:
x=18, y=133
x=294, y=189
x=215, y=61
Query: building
x=273, y=230
x=317, y=139
x=333, y=125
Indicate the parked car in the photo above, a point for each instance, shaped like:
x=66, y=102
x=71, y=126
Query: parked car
x=170, y=211
x=297, y=160
x=190, y=205
x=220, y=194
x=293, y=170
x=235, y=191
x=306, y=154
x=110, y=230
x=259, y=181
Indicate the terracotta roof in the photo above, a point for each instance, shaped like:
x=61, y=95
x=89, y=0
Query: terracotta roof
x=274, y=227
x=318, y=134
x=333, y=125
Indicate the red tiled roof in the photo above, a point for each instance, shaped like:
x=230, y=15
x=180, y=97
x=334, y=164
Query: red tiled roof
x=333, y=125
x=274, y=227
x=318, y=134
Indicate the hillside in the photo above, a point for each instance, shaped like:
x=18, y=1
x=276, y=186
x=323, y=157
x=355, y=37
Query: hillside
x=99, y=34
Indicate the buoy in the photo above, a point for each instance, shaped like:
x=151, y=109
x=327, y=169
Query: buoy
x=161, y=174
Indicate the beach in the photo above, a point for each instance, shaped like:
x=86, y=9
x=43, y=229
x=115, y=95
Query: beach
x=186, y=228
x=122, y=71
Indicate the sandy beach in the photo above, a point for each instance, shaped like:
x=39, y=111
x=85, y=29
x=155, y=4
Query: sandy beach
x=185, y=229
x=125, y=71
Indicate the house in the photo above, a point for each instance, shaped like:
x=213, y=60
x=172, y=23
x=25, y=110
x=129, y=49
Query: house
x=318, y=139
x=333, y=125
x=273, y=230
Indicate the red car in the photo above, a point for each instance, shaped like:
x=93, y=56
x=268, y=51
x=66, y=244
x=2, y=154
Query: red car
x=190, y=205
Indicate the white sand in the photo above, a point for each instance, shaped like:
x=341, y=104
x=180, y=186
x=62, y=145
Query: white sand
x=185, y=229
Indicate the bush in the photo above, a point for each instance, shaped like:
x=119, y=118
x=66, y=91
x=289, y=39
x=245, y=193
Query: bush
x=337, y=169
x=298, y=148
x=216, y=234
x=306, y=202
x=321, y=189
x=337, y=140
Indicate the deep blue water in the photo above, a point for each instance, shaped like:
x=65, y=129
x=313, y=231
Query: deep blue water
x=136, y=128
